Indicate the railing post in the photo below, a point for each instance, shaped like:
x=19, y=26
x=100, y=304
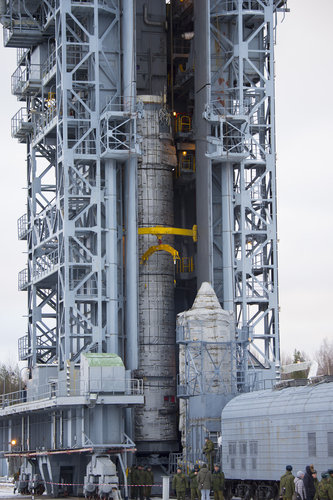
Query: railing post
x=166, y=485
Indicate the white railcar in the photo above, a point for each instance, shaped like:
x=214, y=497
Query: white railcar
x=264, y=431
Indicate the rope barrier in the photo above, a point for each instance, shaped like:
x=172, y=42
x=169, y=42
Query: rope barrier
x=100, y=484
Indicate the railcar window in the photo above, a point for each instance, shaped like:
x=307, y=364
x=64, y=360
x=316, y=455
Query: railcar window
x=242, y=447
x=253, y=448
x=312, y=445
x=330, y=444
x=232, y=448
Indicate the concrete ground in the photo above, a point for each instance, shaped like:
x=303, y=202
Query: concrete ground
x=6, y=492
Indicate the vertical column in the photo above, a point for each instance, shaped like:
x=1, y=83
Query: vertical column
x=227, y=235
x=131, y=238
x=97, y=329
x=63, y=161
x=111, y=250
x=131, y=264
x=32, y=299
x=204, y=264
x=272, y=326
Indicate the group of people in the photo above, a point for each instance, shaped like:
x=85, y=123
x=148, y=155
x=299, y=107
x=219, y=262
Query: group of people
x=200, y=482
x=141, y=480
x=306, y=486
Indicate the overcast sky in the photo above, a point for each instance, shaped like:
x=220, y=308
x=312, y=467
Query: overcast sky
x=304, y=112
x=304, y=75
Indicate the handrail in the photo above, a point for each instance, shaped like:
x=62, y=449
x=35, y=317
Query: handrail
x=23, y=76
x=55, y=389
x=18, y=121
x=49, y=63
x=23, y=279
x=22, y=226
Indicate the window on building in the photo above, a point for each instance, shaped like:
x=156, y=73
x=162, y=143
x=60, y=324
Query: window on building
x=242, y=447
x=232, y=447
x=330, y=444
x=312, y=445
x=232, y=463
x=253, y=447
x=243, y=463
x=254, y=463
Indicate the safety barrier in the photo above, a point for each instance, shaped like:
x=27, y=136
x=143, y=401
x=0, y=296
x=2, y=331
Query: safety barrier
x=26, y=77
x=185, y=265
x=22, y=226
x=54, y=389
x=186, y=163
x=23, y=279
x=182, y=123
x=21, y=124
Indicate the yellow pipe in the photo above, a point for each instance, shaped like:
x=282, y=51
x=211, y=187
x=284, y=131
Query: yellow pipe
x=157, y=248
x=160, y=230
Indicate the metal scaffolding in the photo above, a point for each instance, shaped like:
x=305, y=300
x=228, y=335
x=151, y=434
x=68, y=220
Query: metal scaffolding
x=237, y=200
x=75, y=75
x=139, y=115
x=80, y=129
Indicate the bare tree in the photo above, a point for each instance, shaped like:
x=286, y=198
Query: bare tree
x=324, y=357
x=9, y=378
x=286, y=358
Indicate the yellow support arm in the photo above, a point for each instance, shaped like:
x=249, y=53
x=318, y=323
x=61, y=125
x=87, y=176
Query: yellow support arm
x=157, y=248
x=158, y=231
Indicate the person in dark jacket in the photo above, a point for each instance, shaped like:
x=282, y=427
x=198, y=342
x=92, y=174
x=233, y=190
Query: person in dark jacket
x=195, y=493
x=208, y=450
x=309, y=483
x=330, y=482
x=204, y=482
x=179, y=484
x=324, y=491
x=134, y=480
x=149, y=481
x=130, y=481
x=218, y=483
x=316, y=483
x=287, y=485
x=330, y=488
x=140, y=481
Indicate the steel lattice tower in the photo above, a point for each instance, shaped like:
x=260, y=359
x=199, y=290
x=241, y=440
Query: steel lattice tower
x=237, y=200
x=141, y=118
x=75, y=221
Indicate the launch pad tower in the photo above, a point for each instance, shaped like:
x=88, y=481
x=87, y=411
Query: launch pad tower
x=150, y=137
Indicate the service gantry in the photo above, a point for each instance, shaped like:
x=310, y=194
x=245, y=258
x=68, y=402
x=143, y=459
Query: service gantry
x=150, y=136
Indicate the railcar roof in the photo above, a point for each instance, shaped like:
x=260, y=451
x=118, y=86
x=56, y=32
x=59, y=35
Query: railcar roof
x=277, y=402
